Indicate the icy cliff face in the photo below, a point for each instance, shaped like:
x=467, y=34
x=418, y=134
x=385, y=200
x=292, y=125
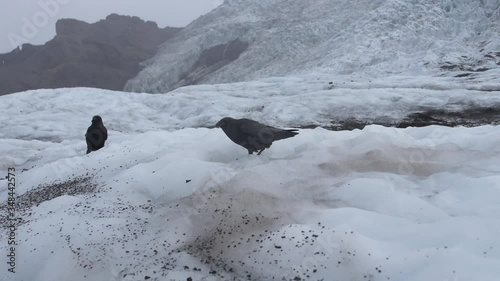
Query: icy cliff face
x=366, y=37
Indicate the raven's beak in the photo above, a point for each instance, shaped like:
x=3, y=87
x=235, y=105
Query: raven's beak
x=218, y=124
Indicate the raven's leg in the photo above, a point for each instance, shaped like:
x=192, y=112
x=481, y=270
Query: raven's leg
x=250, y=151
x=260, y=151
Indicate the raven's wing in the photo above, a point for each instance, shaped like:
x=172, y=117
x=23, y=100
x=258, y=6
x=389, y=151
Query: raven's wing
x=87, y=134
x=251, y=128
x=104, y=132
x=263, y=133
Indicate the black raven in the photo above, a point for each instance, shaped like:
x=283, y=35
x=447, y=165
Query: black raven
x=252, y=135
x=96, y=134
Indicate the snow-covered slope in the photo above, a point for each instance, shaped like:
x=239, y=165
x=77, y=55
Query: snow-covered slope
x=377, y=204
x=367, y=37
x=316, y=99
x=166, y=199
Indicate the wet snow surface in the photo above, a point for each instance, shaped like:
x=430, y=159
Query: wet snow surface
x=170, y=198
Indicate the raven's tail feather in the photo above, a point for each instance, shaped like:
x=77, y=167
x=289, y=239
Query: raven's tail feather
x=284, y=134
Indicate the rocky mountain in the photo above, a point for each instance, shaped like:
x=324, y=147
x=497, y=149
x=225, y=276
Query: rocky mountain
x=104, y=55
x=247, y=40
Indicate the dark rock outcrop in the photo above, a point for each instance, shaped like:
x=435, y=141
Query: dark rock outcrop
x=104, y=55
x=211, y=60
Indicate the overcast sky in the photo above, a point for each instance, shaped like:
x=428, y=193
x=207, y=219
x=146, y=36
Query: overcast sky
x=34, y=21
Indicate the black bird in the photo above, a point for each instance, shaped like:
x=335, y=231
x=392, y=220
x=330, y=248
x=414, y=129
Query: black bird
x=252, y=135
x=96, y=135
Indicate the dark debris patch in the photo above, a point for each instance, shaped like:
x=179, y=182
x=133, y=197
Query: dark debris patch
x=46, y=192
x=469, y=117
x=469, y=64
